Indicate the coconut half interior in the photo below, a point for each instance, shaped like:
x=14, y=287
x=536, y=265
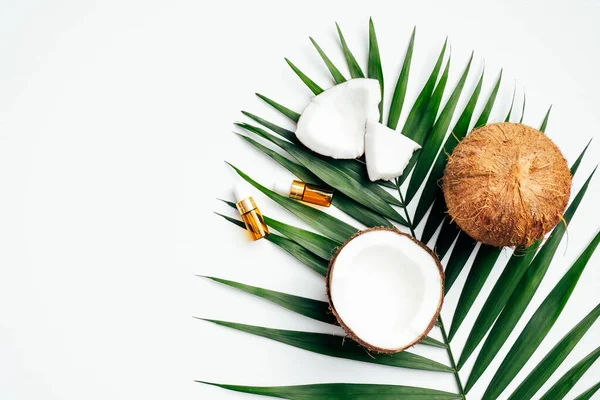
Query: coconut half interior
x=386, y=289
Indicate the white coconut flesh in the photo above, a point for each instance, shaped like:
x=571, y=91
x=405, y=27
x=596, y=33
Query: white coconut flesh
x=386, y=289
x=387, y=152
x=333, y=123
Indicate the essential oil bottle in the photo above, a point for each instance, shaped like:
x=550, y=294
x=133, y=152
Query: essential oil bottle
x=253, y=219
x=306, y=192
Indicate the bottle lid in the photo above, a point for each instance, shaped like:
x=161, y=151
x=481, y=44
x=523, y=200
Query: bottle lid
x=246, y=205
x=283, y=187
x=297, y=190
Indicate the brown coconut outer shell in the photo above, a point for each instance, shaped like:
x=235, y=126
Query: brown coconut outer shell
x=346, y=328
x=506, y=184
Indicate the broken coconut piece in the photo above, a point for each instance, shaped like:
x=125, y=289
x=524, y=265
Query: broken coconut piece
x=385, y=288
x=506, y=184
x=387, y=151
x=333, y=123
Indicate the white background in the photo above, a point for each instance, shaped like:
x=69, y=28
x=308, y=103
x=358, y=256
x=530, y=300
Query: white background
x=115, y=119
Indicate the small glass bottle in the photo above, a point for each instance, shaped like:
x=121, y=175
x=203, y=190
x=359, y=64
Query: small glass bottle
x=253, y=219
x=307, y=192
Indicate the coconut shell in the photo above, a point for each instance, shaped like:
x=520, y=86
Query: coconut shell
x=347, y=329
x=506, y=184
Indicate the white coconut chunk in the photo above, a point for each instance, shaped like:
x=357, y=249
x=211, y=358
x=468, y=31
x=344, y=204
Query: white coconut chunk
x=386, y=289
x=333, y=123
x=387, y=152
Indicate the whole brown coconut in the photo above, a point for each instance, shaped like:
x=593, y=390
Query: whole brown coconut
x=506, y=184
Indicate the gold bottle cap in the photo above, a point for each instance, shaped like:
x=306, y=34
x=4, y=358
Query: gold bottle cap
x=246, y=205
x=297, y=190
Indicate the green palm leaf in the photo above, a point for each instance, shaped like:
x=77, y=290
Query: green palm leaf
x=371, y=205
x=293, y=115
x=587, y=395
x=355, y=167
x=434, y=140
x=522, y=294
x=315, y=309
x=307, y=258
x=436, y=216
x=316, y=89
x=427, y=122
x=540, y=374
x=429, y=341
x=232, y=220
x=418, y=113
x=539, y=325
x=431, y=191
x=300, y=253
x=560, y=389
x=358, y=169
x=351, y=168
x=523, y=110
x=322, y=222
x=285, y=133
x=482, y=266
x=448, y=234
x=374, y=70
x=514, y=269
x=342, y=391
x=577, y=162
x=545, y=121
x=313, y=242
x=337, y=346
x=298, y=170
x=462, y=251
x=401, y=85
x=319, y=245
x=487, y=110
x=341, y=201
x=335, y=73
x=363, y=191
x=315, y=263
x=355, y=71
x=360, y=212
x=512, y=103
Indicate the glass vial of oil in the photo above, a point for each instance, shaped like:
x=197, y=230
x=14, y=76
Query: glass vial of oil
x=253, y=219
x=307, y=192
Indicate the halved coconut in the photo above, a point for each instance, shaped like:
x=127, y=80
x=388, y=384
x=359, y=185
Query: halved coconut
x=333, y=123
x=385, y=288
x=387, y=152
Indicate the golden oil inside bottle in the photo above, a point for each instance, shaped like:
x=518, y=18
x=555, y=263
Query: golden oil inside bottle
x=253, y=219
x=311, y=193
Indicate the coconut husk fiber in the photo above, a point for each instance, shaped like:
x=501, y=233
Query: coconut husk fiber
x=506, y=184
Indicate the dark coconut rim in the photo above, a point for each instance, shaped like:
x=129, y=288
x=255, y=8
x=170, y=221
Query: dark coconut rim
x=347, y=329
